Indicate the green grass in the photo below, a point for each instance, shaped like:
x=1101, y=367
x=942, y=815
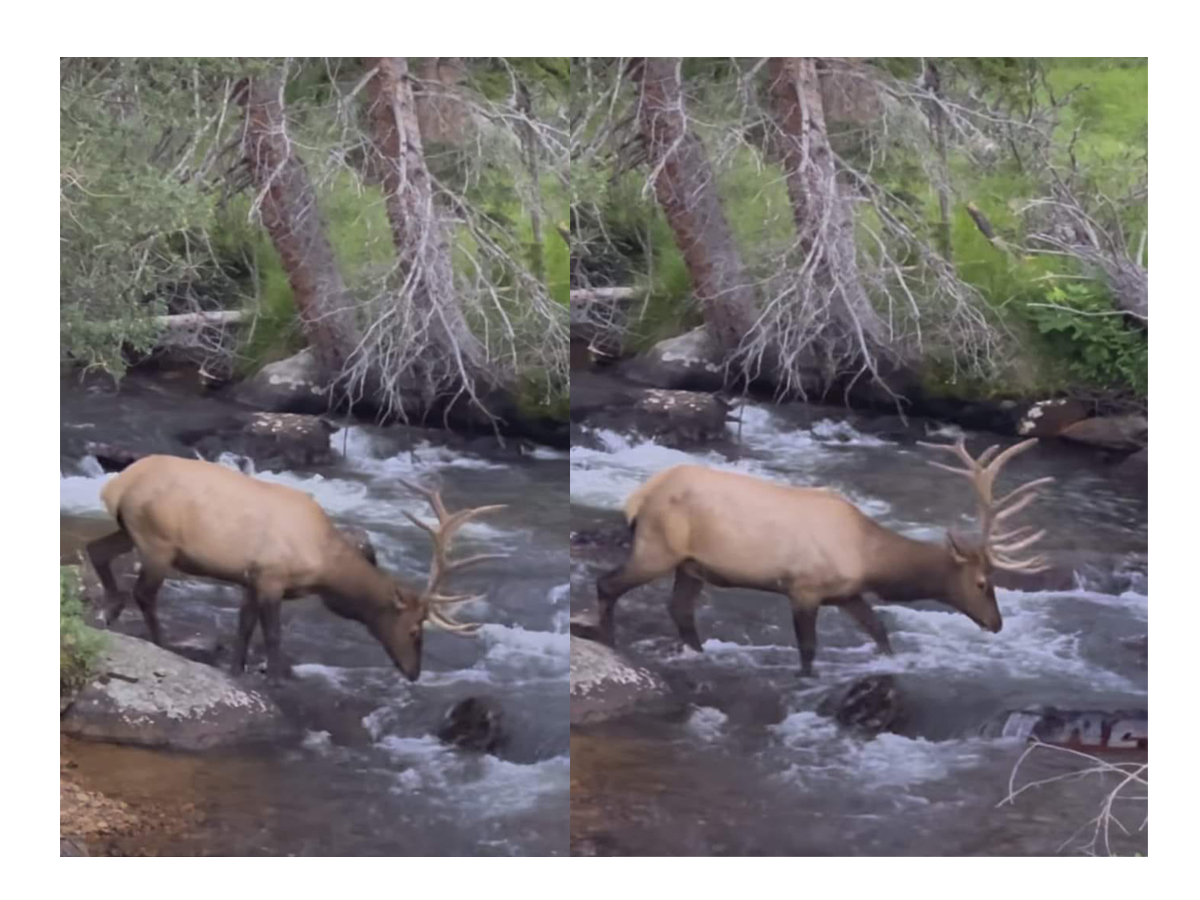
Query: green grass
x=78, y=645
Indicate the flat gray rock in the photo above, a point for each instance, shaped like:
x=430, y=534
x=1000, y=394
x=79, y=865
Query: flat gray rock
x=605, y=685
x=150, y=697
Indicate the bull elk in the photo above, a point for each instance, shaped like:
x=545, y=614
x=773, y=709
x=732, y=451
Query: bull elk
x=207, y=520
x=815, y=547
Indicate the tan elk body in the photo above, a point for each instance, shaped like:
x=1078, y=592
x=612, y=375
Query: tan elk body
x=812, y=545
x=208, y=520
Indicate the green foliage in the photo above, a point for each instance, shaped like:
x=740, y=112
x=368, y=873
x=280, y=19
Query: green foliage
x=1099, y=348
x=78, y=645
x=130, y=221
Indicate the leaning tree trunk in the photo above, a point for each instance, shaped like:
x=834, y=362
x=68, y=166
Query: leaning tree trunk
x=451, y=357
x=288, y=206
x=824, y=219
x=937, y=120
x=686, y=190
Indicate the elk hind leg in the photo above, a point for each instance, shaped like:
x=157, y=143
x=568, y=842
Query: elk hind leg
x=649, y=560
x=248, y=617
x=683, y=607
x=146, y=593
x=101, y=553
x=270, y=616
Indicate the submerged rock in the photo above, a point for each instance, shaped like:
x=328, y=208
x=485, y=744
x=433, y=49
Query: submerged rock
x=474, y=723
x=148, y=696
x=871, y=704
x=606, y=685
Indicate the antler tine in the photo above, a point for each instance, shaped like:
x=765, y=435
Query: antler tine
x=448, y=624
x=1018, y=545
x=1015, y=508
x=433, y=495
x=982, y=472
x=1027, y=486
x=441, y=566
x=1031, y=566
x=1009, y=535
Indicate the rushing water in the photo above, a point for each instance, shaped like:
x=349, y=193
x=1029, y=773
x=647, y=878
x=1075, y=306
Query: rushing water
x=367, y=776
x=752, y=768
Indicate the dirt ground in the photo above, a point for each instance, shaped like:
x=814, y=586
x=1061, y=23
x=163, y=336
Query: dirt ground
x=93, y=823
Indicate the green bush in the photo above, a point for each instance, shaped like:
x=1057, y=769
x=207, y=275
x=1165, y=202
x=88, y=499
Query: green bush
x=78, y=645
x=1099, y=348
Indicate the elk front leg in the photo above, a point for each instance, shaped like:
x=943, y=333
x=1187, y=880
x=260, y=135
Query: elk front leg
x=101, y=553
x=804, y=618
x=866, y=618
x=683, y=607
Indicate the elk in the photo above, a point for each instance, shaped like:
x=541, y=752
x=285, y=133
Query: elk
x=207, y=520
x=815, y=547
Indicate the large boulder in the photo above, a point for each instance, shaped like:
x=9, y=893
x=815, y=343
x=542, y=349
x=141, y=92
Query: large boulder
x=275, y=441
x=680, y=419
x=691, y=361
x=150, y=697
x=1110, y=432
x=1048, y=418
x=606, y=685
x=295, y=384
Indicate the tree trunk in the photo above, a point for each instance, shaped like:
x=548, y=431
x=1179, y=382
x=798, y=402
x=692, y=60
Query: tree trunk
x=824, y=220
x=937, y=119
x=686, y=190
x=288, y=206
x=529, y=146
x=454, y=357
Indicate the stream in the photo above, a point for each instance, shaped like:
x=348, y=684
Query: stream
x=365, y=774
x=749, y=767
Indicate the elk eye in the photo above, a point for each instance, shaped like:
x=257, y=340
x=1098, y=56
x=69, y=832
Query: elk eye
x=982, y=584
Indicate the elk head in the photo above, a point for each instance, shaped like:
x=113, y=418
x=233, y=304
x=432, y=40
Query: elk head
x=971, y=590
x=401, y=627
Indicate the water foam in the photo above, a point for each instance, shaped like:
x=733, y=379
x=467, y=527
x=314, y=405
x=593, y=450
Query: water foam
x=827, y=754
x=490, y=787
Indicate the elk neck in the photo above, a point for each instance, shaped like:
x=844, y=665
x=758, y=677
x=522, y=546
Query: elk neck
x=353, y=588
x=903, y=570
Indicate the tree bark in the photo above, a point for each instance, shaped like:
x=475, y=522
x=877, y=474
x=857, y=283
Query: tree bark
x=824, y=220
x=937, y=119
x=288, y=206
x=686, y=190
x=417, y=229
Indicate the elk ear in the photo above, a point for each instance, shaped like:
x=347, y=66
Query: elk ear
x=957, y=550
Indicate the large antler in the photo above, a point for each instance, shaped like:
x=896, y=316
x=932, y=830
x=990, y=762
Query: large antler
x=982, y=476
x=441, y=567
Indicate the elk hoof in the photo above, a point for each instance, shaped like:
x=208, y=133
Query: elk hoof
x=278, y=673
